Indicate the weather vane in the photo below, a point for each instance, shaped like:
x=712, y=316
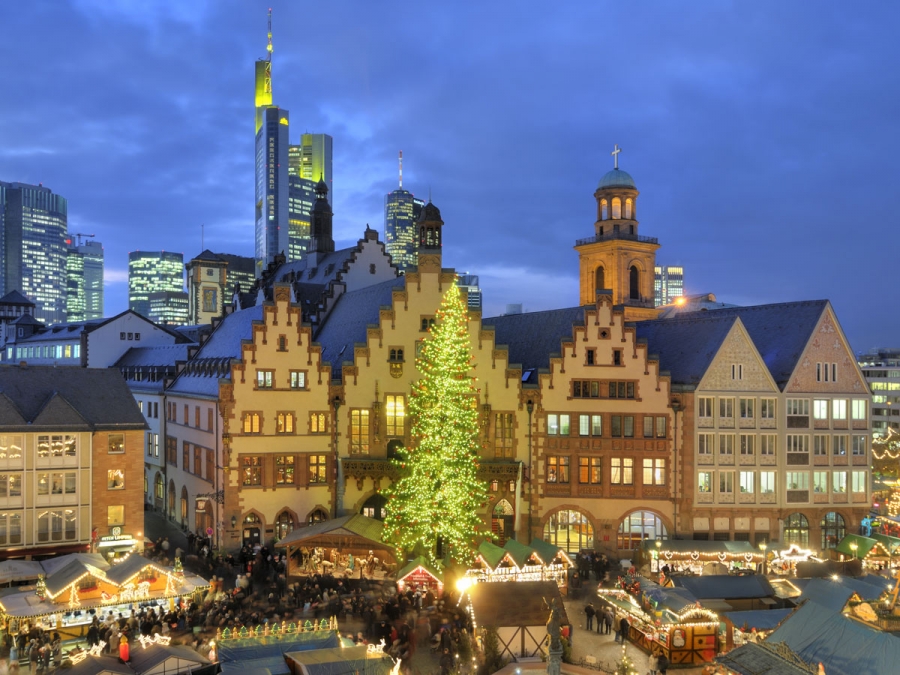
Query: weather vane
x=615, y=154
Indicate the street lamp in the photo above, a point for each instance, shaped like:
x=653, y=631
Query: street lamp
x=853, y=547
x=658, y=546
x=217, y=498
x=762, y=547
x=529, y=406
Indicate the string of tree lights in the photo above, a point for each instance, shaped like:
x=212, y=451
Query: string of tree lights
x=438, y=494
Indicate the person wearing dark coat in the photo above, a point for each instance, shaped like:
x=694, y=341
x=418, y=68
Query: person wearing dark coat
x=623, y=630
x=589, y=612
x=447, y=662
x=93, y=635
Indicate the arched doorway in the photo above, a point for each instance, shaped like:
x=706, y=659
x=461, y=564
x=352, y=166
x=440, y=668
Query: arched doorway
x=252, y=529
x=634, y=283
x=374, y=507
x=316, y=516
x=159, y=491
x=171, y=513
x=502, y=521
x=833, y=529
x=184, y=506
x=638, y=527
x=796, y=530
x=203, y=517
x=284, y=525
x=599, y=279
x=570, y=530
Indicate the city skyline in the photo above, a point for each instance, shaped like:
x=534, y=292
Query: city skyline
x=744, y=135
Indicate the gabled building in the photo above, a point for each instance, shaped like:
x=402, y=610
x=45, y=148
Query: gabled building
x=775, y=413
x=71, y=461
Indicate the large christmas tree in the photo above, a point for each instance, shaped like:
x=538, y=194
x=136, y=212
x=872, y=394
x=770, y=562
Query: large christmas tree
x=438, y=493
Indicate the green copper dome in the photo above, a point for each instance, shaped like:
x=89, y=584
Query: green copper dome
x=617, y=178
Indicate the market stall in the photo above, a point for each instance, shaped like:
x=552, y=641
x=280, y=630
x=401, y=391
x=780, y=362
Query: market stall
x=784, y=561
x=689, y=636
x=689, y=557
x=349, y=546
x=419, y=573
x=68, y=599
x=873, y=553
x=517, y=562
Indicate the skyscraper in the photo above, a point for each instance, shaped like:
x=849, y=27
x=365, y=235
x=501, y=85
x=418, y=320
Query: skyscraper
x=84, y=280
x=301, y=197
x=312, y=159
x=668, y=284
x=153, y=272
x=308, y=162
x=401, y=211
x=33, y=247
x=271, y=184
x=469, y=282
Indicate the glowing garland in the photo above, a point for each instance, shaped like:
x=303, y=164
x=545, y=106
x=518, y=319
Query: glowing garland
x=438, y=494
x=275, y=629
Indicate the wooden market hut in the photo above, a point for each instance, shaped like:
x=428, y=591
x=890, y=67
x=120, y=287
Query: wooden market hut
x=551, y=555
x=518, y=612
x=870, y=551
x=687, y=555
x=420, y=572
x=354, y=535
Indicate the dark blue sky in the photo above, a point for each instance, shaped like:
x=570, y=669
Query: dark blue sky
x=763, y=136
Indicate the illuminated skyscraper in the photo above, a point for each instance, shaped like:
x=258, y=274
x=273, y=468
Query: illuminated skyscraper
x=84, y=281
x=33, y=247
x=301, y=197
x=307, y=163
x=401, y=211
x=312, y=160
x=668, y=284
x=154, y=272
x=469, y=283
x=271, y=177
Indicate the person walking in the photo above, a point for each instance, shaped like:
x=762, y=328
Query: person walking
x=623, y=630
x=607, y=622
x=590, y=612
x=662, y=664
x=653, y=664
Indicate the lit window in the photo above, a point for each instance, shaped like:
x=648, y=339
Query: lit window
x=317, y=468
x=115, y=479
x=359, y=432
x=251, y=423
x=284, y=423
x=557, y=469
x=395, y=410
x=251, y=470
x=284, y=470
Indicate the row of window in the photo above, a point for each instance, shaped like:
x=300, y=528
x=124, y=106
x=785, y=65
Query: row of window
x=747, y=408
x=616, y=209
x=602, y=389
x=253, y=474
x=51, y=525
x=621, y=426
x=152, y=444
x=152, y=409
x=767, y=444
x=763, y=482
x=68, y=351
x=172, y=415
x=265, y=379
x=590, y=470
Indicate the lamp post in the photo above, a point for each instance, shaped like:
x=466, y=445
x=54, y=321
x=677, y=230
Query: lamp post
x=338, y=473
x=658, y=546
x=762, y=547
x=853, y=547
x=676, y=406
x=529, y=406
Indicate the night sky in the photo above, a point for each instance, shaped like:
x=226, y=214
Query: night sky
x=763, y=136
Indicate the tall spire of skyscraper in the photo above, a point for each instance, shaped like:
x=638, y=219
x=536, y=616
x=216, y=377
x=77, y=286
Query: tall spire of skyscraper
x=269, y=46
x=401, y=169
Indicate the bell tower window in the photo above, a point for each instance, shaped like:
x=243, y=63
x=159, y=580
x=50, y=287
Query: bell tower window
x=600, y=279
x=635, y=283
x=628, y=205
x=616, y=208
x=604, y=209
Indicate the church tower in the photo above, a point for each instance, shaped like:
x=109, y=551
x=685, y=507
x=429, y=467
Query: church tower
x=617, y=259
x=321, y=239
x=429, y=228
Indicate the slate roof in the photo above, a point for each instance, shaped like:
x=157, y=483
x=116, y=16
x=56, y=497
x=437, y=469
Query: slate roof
x=165, y=355
x=67, y=398
x=223, y=343
x=726, y=587
x=846, y=646
x=685, y=345
x=324, y=270
x=531, y=338
x=519, y=603
x=779, y=331
x=353, y=313
x=74, y=329
x=15, y=298
x=753, y=659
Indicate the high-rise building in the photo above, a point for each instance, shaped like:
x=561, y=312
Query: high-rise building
x=668, y=284
x=312, y=159
x=881, y=368
x=271, y=184
x=401, y=212
x=169, y=308
x=301, y=197
x=33, y=247
x=469, y=283
x=84, y=281
x=152, y=272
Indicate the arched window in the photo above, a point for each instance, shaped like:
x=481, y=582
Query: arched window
x=638, y=527
x=634, y=283
x=284, y=525
x=616, y=208
x=146, y=485
x=570, y=530
x=252, y=519
x=184, y=505
x=171, y=499
x=503, y=521
x=374, y=507
x=628, y=205
x=833, y=530
x=600, y=279
x=604, y=209
x=159, y=487
x=796, y=530
x=317, y=516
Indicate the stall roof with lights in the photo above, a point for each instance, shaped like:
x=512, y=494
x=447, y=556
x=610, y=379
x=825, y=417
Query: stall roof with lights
x=865, y=546
x=99, y=665
x=726, y=587
x=492, y=555
x=521, y=554
x=892, y=544
x=350, y=532
x=549, y=552
x=168, y=660
x=704, y=548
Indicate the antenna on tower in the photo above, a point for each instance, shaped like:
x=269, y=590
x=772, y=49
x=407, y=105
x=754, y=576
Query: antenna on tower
x=401, y=169
x=269, y=46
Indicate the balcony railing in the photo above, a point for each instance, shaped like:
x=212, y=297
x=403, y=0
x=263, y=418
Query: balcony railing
x=608, y=236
